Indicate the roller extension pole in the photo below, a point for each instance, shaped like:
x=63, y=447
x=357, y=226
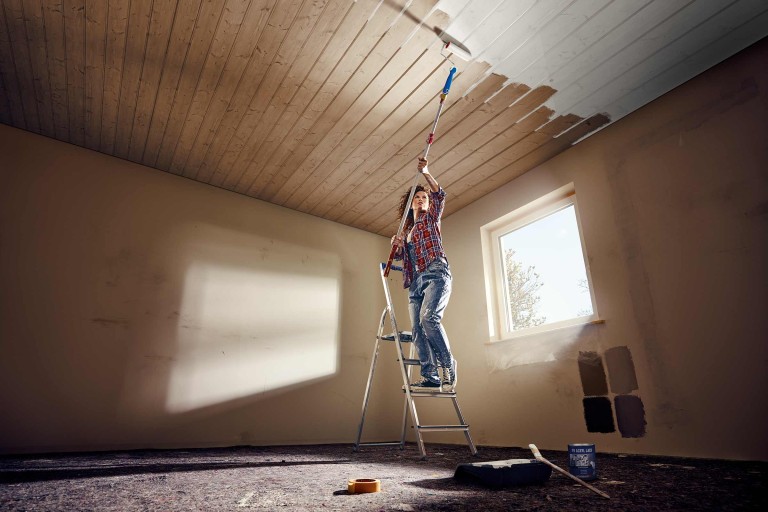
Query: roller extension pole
x=540, y=458
x=430, y=140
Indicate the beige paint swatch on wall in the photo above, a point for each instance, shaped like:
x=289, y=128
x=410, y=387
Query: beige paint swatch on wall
x=621, y=370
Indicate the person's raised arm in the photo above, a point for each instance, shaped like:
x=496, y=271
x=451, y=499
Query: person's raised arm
x=424, y=169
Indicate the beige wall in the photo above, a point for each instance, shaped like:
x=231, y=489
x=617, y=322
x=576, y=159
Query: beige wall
x=674, y=215
x=140, y=309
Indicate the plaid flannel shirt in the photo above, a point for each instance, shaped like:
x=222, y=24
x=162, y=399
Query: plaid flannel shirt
x=426, y=239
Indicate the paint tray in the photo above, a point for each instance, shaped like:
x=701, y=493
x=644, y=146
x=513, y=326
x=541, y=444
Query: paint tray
x=504, y=473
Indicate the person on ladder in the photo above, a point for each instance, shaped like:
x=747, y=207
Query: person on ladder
x=427, y=276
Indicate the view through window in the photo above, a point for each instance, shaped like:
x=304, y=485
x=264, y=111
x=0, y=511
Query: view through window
x=538, y=273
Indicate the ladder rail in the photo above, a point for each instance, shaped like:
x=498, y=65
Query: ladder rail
x=405, y=370
x=370, y=379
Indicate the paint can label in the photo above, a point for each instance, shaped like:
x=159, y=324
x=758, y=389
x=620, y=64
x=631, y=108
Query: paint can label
x=581, y=461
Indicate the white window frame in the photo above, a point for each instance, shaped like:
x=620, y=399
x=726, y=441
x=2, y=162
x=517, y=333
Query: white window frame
x=494, y=272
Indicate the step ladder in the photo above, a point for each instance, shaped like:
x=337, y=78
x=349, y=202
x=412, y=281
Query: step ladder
x=406, y=363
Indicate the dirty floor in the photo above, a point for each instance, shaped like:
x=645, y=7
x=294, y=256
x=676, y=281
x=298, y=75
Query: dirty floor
x=315, y=478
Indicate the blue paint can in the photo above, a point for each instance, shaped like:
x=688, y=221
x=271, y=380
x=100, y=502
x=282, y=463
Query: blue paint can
x=581, y=461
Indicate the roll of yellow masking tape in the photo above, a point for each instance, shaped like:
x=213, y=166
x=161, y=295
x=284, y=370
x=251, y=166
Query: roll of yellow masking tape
x=363, y=485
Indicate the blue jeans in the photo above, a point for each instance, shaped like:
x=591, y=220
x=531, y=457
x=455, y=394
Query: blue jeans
x=427, y=299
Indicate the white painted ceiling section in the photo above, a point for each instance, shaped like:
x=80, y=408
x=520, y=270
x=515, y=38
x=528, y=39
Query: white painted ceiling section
x=604, y=56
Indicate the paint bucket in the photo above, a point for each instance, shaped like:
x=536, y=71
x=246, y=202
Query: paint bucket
x=581, y=461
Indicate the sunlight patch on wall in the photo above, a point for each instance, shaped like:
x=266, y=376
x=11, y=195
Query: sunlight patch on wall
x=537, y=348
x=245, y=330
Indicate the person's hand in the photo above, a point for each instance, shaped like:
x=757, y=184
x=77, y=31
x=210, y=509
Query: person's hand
x=422, y=165
x=397, y=240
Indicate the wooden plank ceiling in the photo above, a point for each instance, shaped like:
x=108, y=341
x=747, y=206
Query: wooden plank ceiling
x=322, y=106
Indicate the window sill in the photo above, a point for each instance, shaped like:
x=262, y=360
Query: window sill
x=545, y=332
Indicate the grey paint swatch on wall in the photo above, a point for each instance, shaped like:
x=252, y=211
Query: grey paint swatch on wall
x=621, y=370
x=592, y=373
x=630, y=415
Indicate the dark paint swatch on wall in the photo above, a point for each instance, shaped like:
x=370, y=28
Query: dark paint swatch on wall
x=592, y=374
x=621, y=370
x=630, y=415
x=598, y=414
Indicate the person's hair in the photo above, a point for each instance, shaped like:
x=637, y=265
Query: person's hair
x=404, y=204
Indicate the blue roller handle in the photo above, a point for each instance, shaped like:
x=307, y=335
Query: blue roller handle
x=448, y=82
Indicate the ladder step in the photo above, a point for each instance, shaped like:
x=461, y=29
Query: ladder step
x=405, y=337
x=433, y=394
x=387, y=443
x=412, y=362
x=434, y=428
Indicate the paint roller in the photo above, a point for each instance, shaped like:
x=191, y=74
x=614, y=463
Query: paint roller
x=450, y=43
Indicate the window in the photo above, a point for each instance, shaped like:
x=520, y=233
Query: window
x=537, y=278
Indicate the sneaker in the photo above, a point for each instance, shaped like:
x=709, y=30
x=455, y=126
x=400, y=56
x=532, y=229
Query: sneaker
x=450, y=378
x=425, y=385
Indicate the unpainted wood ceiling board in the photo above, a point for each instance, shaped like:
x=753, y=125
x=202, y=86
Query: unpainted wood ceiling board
x=74, y=34
x=313, y=100
x=392, y=173
x=53, y=18
x=23, y=60
x=357, y=174
x=202, y=64
x=386, y=116
x=222, y=46
x=525, y=141
x=540, y=155
x=307, y=92
x=164, y=18
x=320, y=42
x=14, y=111
x=5, y=108
x=189, y=158
x=391, y=83
x=237, y=156
x=197, y=60
x=14, y=22
x=233, y=167
x=384, y=120
x=136, y=56
x=379, y=171
x=317, y=41
x=116, y=43
x=491, y=149
x=95, y=54
x=458, y=143
x=370, y=80
x=156, y=92
x=35, y=40
x=270, y=39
